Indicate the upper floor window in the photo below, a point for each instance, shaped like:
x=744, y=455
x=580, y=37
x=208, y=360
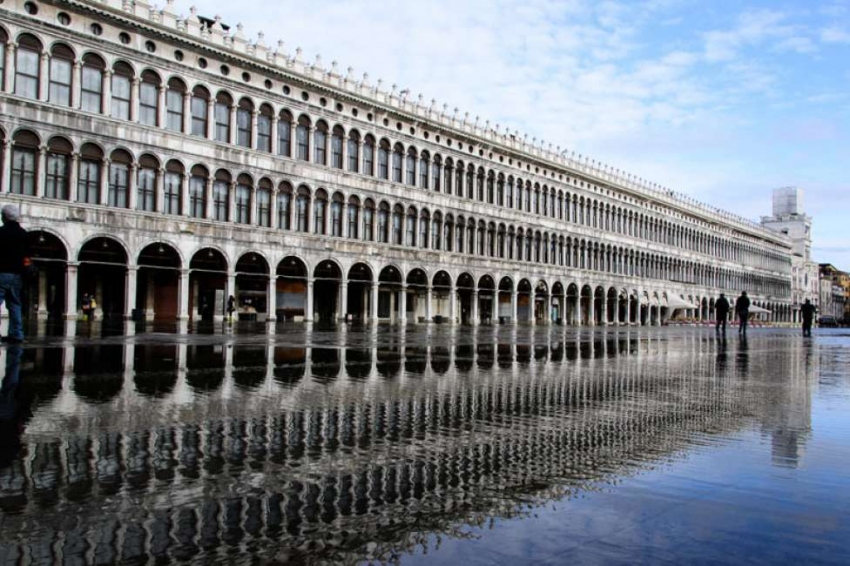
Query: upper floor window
x=121, y=86
x=410, y=167
x=199, y=108
x=149, y=98
x=27, y=61
x=223, y=102
x=398, y=153
x=91, y=89
x=24, y=160
x=146, y=183
x=264, y=199
x=284, y=206
x=119, y=179
x=320, y=142
x=221, y=196
x=369, y=155
x=61, y=69
x=58, y=165
x=336, y=147
x=174, y=105
x=264, y=128
x=384, y=160
x=198, y=192
x=284, y=134
x=302, y=138
x=353, y=151
x=243, y=123
x=243, y=200
x=88, y=176
x=171, y=192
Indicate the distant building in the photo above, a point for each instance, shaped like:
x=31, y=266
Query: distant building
x=789, y=218
x=836, y=283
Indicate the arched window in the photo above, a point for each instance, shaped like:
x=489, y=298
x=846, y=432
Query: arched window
x=149, y=98
x=302, y=209
x=447, y=233
x=424, y=169
x=174, y=105
x=284, y=134
x=61, y=69
x=320, y=143
x=353, y=217
x=146, y=183
x=122, y=76
x=199, y=107
x=460, y=232
x=482, y=238
x=91, y=87
x=398, y=156
x=244, y=114
x=436, y=231
x=337, y=205
x=88, y=177
x=27, y=75
x=171, y=192
x=436, y=173
x=471, y=185
x=368, y=220
x=424, y=228
x=223, y=103
x=221, y=196
x=410, y=167
x=244, y=188
x=383, y=223
x=398, y=216
x=264, y=128
x=119, y=179
x=320, y=207
x=24, y=159
x=284, y=206
x=410, y=228
x=448, y=175
x=264, y=202
x=58, y=165
x=369, y=155
x=519, y=194
x=198, y=192
x=500, y=190
x=479, y=186
x=491, y=240
x=491, y=180
x=302, y=138
x=353, y=151
x=470, y=236
x=384, y=160
x=336, y=147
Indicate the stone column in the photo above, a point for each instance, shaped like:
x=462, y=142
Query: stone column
x=159, y=191
x=233, y=126
x=208, y=213
x=132, y=200
x=402, y=305
x=429, y=297
x=7, y=173
x=628, y=311
x=71, y=291
x=41, y=171
x=184, y=194
x=134, y=99
x=183, y=310
x=271, y=300
x=106, y=89
x=210, y=119
x=293, y=146
x=187, y=113
x=160, y=106
x=273, y=141
x=494, y=311
x=374, y=305
x=474, y=308
x=72, y=177
x=230, y=289
x=452, y=303
x=343, y=299
x=308, y=314
x=76, y=87
x=104, y=183
x=44, y=76
x=231, y=201
x=514, y=305
x=604, y=321
x=130, y=291
x=532, y=304
x=253, y=141
x=41, y=309
x=9, y=78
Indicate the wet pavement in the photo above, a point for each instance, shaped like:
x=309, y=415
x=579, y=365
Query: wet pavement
x=490, y=445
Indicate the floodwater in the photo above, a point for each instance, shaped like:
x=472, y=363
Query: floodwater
x=490, y=445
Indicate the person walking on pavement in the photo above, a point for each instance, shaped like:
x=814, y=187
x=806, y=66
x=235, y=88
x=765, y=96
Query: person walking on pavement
x=742, y=309
x=721, y=312
x=14, y=243
x=808, y=311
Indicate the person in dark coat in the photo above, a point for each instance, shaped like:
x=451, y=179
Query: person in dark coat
x=742, y=309
x=808, y=311
x=15, y=246
x=721, y=312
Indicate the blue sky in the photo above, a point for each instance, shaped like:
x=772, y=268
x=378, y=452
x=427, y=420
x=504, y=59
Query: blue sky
x=717, y=99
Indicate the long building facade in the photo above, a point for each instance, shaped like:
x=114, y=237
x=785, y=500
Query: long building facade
x=165, y=164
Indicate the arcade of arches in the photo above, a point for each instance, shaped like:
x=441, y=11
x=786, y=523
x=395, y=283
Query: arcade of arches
x=160, y=282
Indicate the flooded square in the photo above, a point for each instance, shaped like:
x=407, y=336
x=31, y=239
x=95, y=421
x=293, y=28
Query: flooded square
x=306, y=444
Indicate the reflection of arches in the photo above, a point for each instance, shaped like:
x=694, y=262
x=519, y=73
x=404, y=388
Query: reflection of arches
x=102, y=274
x=158, y=281
x=289, y=365
x=249, y=365
x=155, y=369
x=98, y=372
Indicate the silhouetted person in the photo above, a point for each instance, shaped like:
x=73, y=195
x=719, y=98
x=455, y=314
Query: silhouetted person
x=721, y=312
x=808, y=311
x=231, y=307
x=15, y=249
x=742, y=309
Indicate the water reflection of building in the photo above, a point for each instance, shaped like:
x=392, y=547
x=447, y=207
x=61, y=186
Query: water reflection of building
x=164, y=164
x=188, y=451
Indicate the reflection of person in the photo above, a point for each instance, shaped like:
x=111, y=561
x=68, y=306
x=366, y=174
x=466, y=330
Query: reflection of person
x=13, y=409
x=742, y=309
x=808, y=311
x=721, y=312
x=13, y=242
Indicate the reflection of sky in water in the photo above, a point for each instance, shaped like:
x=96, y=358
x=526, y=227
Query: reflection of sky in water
x=630, y=445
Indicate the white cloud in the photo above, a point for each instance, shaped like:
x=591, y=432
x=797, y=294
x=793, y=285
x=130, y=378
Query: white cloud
x=835, y=35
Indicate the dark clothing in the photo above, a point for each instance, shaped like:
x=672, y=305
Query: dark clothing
x=15, y=246
x=808, y=311
x=742, y=309
x=721, y=307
